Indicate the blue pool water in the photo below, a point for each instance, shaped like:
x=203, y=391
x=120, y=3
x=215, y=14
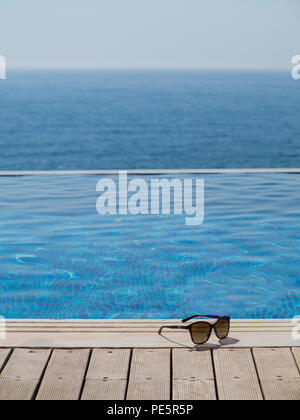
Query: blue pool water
x=149, y=119
x=60, y=259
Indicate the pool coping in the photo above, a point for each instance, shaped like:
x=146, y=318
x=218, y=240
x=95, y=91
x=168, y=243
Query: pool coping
x=152, y=172
x=140, y=333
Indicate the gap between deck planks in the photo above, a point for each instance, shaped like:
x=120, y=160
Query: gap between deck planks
x=150, y=374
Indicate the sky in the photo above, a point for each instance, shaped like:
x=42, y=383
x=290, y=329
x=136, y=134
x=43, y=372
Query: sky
x=209, y=34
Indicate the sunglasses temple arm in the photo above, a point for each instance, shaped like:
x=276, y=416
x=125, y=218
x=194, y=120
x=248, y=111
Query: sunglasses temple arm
x=201, y=316
x=172, y=327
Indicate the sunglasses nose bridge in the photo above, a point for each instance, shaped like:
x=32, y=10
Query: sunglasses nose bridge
x=214, y=329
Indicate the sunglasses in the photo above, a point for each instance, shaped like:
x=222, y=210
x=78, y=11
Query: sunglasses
x=201, y=331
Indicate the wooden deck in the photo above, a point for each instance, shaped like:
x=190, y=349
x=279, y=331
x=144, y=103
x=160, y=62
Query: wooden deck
x=150, y=374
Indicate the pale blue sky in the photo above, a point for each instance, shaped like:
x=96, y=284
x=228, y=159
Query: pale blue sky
x=150, y=33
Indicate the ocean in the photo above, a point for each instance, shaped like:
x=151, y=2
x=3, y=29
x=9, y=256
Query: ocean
x=68, y=120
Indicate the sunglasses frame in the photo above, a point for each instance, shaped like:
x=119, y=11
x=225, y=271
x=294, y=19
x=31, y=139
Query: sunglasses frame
x=212, y=327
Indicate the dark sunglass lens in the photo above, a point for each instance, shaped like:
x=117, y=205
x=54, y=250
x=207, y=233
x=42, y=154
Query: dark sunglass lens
x=222, y=328
x=200, y=332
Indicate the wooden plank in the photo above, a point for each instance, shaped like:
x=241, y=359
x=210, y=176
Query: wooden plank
x=278, y=374
x=4, y=353
x=236, y=375
x=107, y=375
x=193, y=375
x=296, y=352
x=64, y=375
x=22, y=374
x=150, y=375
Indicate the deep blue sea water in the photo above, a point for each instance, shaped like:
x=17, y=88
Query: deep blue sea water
x=149, y=119
x=60, y=259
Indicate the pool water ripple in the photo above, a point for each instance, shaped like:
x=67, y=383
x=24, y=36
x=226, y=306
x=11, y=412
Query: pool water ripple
x=60, y=259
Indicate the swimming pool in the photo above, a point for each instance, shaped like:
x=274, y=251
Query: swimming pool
x=60, y=259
